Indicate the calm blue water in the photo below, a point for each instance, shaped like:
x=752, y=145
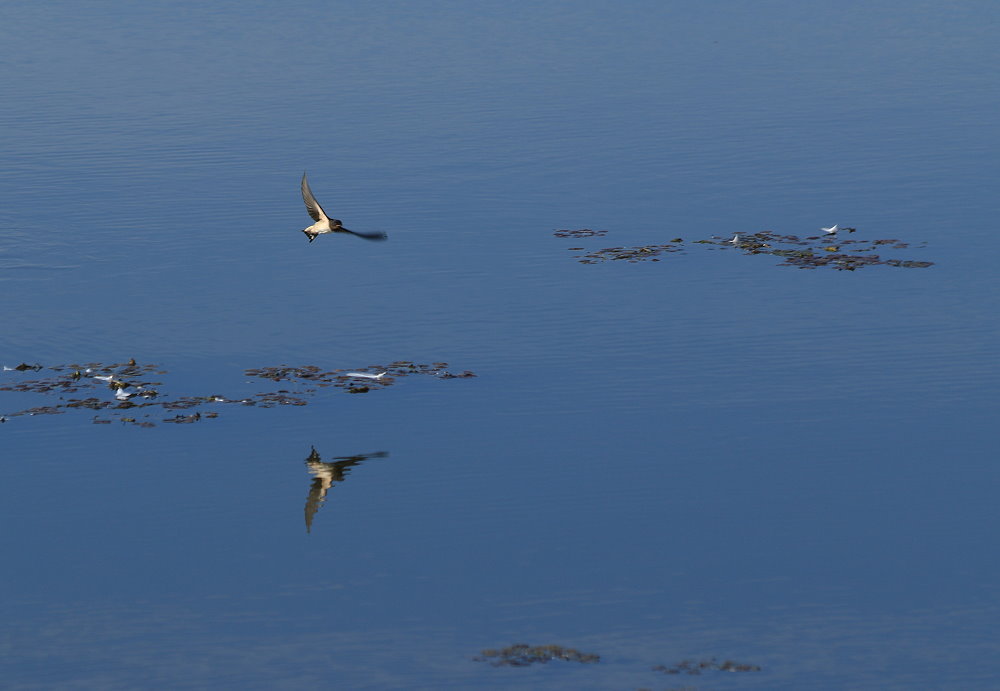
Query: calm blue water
x=706, y=456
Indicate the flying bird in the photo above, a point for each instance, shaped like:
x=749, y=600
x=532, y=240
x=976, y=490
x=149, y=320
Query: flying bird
x=831, y=229
x=325, y=224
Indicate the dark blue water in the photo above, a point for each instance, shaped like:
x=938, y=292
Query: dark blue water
x=706, y=456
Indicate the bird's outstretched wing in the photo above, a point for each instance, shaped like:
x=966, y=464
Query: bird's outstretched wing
x=312, y=206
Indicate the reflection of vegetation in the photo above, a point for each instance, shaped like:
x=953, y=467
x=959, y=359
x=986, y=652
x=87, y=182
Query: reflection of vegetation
x=126, y=390
x=522, y=655
x=325, y=474
x=710, y=664
x=827, y=250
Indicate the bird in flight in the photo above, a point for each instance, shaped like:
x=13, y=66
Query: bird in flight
x=325, y=224
x=831, y=229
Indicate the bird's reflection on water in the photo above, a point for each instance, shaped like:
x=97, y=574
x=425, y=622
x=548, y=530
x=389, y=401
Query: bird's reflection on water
x=325, y=474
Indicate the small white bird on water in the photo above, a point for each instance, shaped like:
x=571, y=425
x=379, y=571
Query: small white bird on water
x=325, y=224
x=736, y=239
x=832, y=229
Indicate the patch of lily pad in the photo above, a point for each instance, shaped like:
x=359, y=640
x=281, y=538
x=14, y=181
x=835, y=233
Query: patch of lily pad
x=132, y=393
x=835, y=251
x=522, y=655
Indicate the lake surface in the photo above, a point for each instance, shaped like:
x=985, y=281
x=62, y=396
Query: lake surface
x=706, y=456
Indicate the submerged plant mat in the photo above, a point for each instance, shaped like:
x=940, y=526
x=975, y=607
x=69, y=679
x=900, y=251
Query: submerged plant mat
x=139, y=394
x=522, y=655
x=841, y=250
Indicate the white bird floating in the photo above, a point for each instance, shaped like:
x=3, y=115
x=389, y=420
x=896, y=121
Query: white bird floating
x=366, y=375
x=832, y=229
x=736, y=239
x=121, y=395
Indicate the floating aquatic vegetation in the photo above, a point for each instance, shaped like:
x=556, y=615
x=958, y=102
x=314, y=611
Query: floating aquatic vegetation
x=815, y=252
x=581, y=233
x=39, y=410
x=908, y=264
x=22, y=367
x=183, y=419
x=629, y=254
x=269, y=400
x=706, y=665
x=378, y=376
x=115, y=388
x=830, y=250
x=522, y=655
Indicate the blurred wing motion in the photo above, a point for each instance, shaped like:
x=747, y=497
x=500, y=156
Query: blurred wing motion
x=366, y=236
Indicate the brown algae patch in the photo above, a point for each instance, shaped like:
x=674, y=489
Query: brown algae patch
x=522, y=655
x=129, y=392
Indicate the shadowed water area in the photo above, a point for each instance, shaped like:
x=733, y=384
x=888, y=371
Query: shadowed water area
x=614, y=447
